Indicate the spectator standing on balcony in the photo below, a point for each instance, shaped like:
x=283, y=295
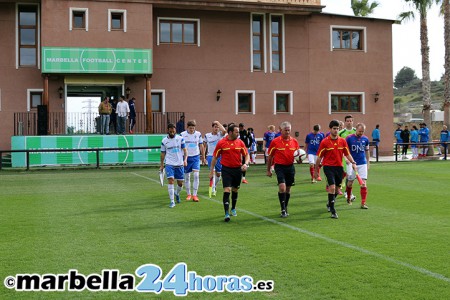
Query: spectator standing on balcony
x=105, y=109
x=131, y=104
x=122, y=110
x=376, y=139
x=180, y=125
x=113, y=120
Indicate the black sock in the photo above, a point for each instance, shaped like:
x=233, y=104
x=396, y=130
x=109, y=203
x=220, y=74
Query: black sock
x=282, y=198
x=226, y=201
x=331, y=198
x=234, y=196
x=288, y=196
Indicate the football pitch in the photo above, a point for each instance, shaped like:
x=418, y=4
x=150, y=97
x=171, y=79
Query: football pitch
x=88, y=221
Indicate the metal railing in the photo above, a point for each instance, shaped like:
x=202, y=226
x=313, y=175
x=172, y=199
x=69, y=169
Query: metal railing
x=420, y=146
x=61, y=123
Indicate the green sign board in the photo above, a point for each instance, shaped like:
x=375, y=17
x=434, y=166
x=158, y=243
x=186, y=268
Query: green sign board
x=85, y=142
x=96, y=60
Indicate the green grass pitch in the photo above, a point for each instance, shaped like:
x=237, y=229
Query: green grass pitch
x=53, y=221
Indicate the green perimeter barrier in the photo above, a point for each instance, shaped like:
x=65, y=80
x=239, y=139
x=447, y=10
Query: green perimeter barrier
x=122, y=156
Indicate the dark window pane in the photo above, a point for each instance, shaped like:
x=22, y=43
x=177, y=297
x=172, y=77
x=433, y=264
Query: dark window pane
x=27, y=56
x=354, y=103
x=276, y=62
x=116, y=21
x=275, y=46
x=164, y=35
x=36, y=99
x=334, y=103
x=257, y=61
x=336, y=39
x=275, y=27
x=27, y=36
x=356, y=40
x=156, y=102
x=177, y=33
x=282, y=103
x=189, y=33
x=344, y=103
x=27, y=19
x=78, y=20
x=256, y=43
x=256, y=26
x=244, y=103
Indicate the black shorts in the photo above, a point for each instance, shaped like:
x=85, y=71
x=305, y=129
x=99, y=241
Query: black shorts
x=285, y=174
x=334, y=174
x=231, y=177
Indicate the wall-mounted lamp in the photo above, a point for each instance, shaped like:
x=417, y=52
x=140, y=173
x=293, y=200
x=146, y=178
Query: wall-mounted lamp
x=376, y=97
x=128, y=92
x=61, y=92
x=219, y=92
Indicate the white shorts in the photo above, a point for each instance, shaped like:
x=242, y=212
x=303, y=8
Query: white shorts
x=312, y=159
x=362, y=171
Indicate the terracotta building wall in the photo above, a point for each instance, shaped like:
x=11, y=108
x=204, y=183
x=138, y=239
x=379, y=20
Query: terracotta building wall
x=191, y=75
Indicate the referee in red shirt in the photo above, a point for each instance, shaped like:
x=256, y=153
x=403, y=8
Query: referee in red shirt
x=330, y=153
x=232, y=150
x=281, y=153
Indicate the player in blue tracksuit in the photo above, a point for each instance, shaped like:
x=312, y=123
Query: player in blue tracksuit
x=398, y=134
x=414, y=139
x=424, y=136
x=358, y=144
x=444, y=138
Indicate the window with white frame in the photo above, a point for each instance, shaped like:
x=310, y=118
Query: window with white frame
x=346, y=102
x=178, y=31
x=27, y=35
x=245, y=102
x=276, y=43
x=34, y=98
x=117, y=20
x=348, y=38
x=283, y=102
x=258, y=42
x=158, y=101
x=79, y=19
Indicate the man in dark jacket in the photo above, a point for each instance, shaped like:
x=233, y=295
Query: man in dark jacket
x=246, y=137
x=405, y=138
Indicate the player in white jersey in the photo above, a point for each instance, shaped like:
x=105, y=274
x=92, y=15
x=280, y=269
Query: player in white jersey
x=174, y=156
x=196, y=152
x=210, y=141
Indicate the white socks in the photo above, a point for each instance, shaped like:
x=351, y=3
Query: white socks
x=187, y=179
x=196, y=182
x=171, y=192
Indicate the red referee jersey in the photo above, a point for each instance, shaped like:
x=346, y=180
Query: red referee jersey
x=282, y=150
x=332, y=151
x=231, y=152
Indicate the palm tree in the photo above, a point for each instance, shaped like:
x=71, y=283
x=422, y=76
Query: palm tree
x=362, y=8
x=422, y=6
x=446, y=12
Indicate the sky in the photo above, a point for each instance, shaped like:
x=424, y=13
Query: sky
x=405, y=37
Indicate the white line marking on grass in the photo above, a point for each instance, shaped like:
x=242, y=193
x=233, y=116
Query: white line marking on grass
x=151, y=179
x=330, y=240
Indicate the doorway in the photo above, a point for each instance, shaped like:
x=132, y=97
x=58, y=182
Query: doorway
x=82, y=106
